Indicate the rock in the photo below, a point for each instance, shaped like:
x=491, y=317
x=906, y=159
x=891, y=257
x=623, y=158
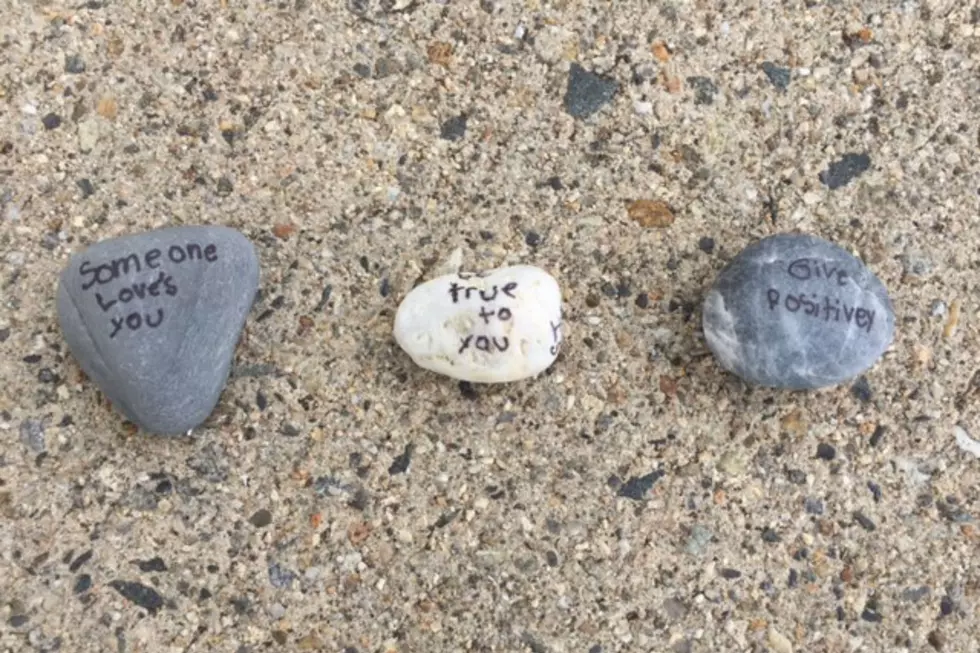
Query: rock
x=845, y=170
x=490, y=327
x=587, y=92
x=778, y=75
x=154, y=318
x=795, y=311
x=778, y=642
x=454, y=129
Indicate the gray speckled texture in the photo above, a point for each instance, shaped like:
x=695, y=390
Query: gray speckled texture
x=528, y=516
x=153, y=318
x=795, y=311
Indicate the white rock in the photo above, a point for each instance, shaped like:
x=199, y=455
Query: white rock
x=491, y=327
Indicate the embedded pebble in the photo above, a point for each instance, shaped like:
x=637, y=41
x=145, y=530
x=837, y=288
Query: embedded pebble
x=587, y=92
x=154, y=318
x=797, y=312
x=491, y=327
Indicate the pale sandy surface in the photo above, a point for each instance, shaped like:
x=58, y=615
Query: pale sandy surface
x=506, y=531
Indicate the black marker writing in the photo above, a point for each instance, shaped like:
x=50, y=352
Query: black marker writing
x=485, y=343
x=502, y=314
x=141, y=290
x=128, y=267
x=805, y=269
x=487, y=296
x=555, y=337
x=132, y=263
x=135, y=321
x=832, y=310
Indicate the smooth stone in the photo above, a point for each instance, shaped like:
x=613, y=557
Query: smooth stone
x=491, y=327
x=154, y=319
x=797, y=312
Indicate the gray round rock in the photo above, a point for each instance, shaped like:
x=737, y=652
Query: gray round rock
x=154, y=318
x=797, y=312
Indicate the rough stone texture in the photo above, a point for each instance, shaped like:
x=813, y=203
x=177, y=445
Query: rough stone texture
x=153, y=318
x=507, y=528
x=795, y=311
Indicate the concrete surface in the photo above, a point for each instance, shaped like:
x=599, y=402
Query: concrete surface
x=635, y=498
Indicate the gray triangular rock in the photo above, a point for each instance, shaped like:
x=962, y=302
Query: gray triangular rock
x=154, y=318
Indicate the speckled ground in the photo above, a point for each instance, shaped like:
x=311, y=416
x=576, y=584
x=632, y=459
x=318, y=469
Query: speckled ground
x=634, y=498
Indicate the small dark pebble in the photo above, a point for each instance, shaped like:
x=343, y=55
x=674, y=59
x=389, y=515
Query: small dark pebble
x=45, y=375
x=453, y=129
x=362, y=70
x=280, y=577
x=225, y=187
x=826, y=451
x=324, y=298
x=86, y=187
x=778, y=75
x=587, y=92
x=164, y=487
x=445, y=519
x=4, y=334
x=704, y=89
x=796, y=476
x=289, y=430
x=83, y=583
x=18, y=620
x=841, y=615
x=643, y=300
x=862, y=390
x=261, y=518
x=847, y=169
x=138, y=593
x=730, y=574
x=877, y=435
x=871, y=616
x=596, y=649
x=864, y=521
x=74, y=64
x=532, y=238
x=946, y=606
x=204, y=594
x=770, y=536
x=707, y=244
x=875, y=491
x=80, y=560
x=51, y=121
x=794, y=578
x=935, y=638
x=155, y=563
x=813, y=506
x=468, y=391
x=637, y=487
x=555, y=183
x=552, y=558
x=361, y=499
x=402, y=461
x=260, y=400
x=385, y=288
x=32, y=359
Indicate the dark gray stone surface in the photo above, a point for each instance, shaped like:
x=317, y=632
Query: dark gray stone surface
x=587, y=92
x=795, y=311
x=154, y=318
